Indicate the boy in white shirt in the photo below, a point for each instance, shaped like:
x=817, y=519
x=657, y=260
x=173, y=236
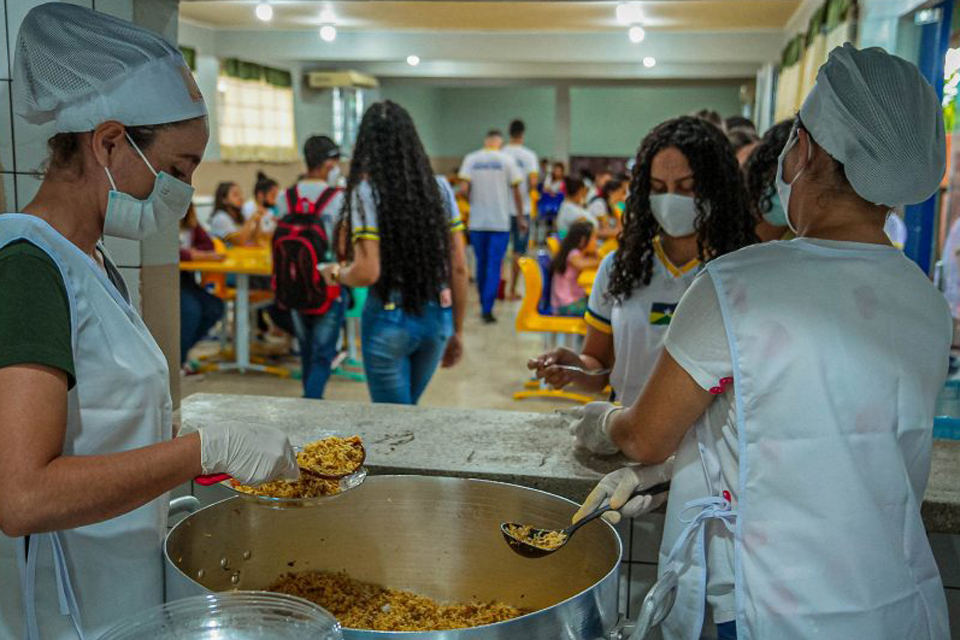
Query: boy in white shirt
x=492, y=182
x=527, y=160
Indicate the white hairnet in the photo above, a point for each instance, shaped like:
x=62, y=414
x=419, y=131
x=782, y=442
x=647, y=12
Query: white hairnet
x=82, y=68
x=880, y=118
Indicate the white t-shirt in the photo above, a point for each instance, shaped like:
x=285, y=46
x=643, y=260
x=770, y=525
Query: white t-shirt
x=570, y=212
x=529, y=165
x=697, y=341
x=268, y=223
x=639, y=323
x=598, y=208
x=222, y=224
x=492, y=175
x=311, y=190
x=363, y=216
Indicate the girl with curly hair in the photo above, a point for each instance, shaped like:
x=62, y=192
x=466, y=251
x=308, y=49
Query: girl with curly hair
x=687, y=205
x=761, y=173
x=407, y=246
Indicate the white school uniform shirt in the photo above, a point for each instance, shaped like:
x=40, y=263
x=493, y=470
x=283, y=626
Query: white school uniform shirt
x=570, y=213
x=363, y=214
x=268, y=223
x=698, y=341
x=222, y=225
x=529, y=165
x=492, y=174
x=639, y=323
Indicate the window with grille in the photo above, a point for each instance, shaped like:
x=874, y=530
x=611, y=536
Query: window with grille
x=256, y=113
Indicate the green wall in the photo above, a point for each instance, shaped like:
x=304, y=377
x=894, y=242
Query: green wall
x=469, y=112
x=605, y=121
x=423, y=104
x=611, y=121
x=452, y=121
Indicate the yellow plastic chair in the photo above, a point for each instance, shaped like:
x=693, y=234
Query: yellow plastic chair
x=553, y=245
x=530, y=320
x=607, y=247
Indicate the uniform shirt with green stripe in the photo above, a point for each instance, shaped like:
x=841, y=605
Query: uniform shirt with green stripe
x=363, y=217
x=35, y=309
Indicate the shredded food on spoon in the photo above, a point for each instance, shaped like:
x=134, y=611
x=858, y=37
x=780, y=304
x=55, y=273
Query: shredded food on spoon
x=331, y=456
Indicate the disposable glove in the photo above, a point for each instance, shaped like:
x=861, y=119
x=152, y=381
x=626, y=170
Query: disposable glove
x=620, y=484
x=251, y=454
x=592, y=426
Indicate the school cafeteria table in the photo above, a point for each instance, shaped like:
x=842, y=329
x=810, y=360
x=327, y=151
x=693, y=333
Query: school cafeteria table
x=242, y=262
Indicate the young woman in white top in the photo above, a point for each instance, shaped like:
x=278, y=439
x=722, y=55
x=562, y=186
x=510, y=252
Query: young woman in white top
x=228, y=222
x=687, y=205
x=799, y=407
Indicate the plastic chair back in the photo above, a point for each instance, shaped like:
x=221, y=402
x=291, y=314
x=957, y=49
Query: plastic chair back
x=553, y=244
x=546, y=278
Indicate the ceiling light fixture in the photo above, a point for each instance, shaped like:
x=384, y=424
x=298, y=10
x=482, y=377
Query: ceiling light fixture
x=328, y=32
x=264, y=11
x=649, y=62
x=327, y=16
x=629, y=13
x=413, y=60
x=637, y=34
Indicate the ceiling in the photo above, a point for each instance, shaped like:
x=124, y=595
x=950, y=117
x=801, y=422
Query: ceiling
x=548, y=40
x=467, y=15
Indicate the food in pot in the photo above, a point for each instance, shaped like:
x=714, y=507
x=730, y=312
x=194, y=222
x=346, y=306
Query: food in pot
x=546, y=539
x=361, y=605
x=333, y=456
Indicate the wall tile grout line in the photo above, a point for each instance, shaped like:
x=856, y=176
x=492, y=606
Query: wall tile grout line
x=13, y=135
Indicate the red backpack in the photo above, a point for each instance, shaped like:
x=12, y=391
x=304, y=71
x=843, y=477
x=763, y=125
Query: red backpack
x=300, y=245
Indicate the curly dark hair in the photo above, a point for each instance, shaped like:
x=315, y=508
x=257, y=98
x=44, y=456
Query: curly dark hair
x=412, y=216
x=761, y=167
x=723, y=223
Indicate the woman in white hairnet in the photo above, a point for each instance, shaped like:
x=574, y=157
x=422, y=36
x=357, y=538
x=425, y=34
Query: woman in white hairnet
x=87, y=451
x=800, y=408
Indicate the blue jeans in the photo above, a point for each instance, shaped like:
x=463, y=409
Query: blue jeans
x=318, y=337
x=199, y=311
x=401, y=351
x=519, y=241
x=489, y=247
x=727, y=631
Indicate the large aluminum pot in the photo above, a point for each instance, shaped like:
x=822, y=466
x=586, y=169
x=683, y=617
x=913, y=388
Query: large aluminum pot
x=435, y=536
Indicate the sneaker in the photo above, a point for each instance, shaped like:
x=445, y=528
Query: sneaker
x=488, y=318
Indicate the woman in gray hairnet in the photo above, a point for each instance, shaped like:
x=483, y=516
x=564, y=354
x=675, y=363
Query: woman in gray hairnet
x=799, y=407
x=87, y=449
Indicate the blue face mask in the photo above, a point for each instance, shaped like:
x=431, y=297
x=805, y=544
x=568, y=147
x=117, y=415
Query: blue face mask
x=776, y=216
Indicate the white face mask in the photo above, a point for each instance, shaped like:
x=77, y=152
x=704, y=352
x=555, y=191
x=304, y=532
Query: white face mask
x=333, y=176
x=783, y=189
x=129, y=217
x=674, y=213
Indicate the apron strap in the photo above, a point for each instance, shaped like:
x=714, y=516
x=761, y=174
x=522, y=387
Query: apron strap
x=660, y=599
x=68, y=600
x=27, y=562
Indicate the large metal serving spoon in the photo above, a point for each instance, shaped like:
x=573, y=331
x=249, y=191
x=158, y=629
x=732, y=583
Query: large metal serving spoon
x=528, y=550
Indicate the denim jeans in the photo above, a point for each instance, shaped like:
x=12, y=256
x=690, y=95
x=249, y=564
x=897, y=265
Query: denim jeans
x=489, y=247
x=318, y=336
x=199, y=311
x=401, y=351
x=727, y=631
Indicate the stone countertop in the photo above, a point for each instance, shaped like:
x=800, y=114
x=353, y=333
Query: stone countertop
x=529, y=449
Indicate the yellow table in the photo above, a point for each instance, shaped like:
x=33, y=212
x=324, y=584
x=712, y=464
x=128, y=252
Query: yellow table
x=586, y=278
x=243, y=262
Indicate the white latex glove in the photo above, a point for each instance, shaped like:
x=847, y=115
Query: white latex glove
x=591, y=426
x=251, y=454
x=619, y=485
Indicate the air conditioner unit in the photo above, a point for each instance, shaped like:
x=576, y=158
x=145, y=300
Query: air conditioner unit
x=331, y=79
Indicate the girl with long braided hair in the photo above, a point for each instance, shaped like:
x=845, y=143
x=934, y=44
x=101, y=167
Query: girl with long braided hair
x=407, y=246
x=686, y=205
